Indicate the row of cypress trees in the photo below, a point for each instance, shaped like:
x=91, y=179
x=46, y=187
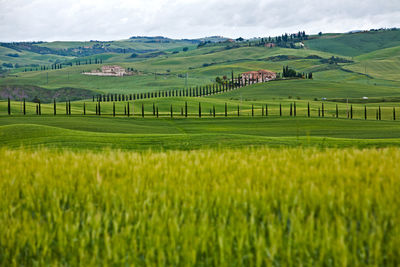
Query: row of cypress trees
x=184, y=110
x=197, y=91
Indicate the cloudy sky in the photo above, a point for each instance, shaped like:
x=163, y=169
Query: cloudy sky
x=50, y=20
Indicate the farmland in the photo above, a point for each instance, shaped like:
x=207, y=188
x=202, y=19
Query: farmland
x=290, y=172
x=267, y=207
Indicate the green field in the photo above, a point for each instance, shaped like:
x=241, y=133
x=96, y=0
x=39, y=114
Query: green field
x=292, y=172
x=248, y=207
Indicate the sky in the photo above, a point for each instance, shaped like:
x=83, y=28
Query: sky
x=82, y=20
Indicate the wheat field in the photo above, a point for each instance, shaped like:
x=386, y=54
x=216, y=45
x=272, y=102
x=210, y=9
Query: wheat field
x=227, y=207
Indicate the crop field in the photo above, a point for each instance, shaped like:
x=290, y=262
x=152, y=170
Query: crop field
x=290, y=172
x=253, y=207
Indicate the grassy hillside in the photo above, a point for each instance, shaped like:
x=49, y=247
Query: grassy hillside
x=355, y=44
x=79, y=132
x=209, y=207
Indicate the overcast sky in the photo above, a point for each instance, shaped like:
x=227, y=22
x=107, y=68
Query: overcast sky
x=50, y=20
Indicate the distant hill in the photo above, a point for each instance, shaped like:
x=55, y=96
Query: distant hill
x=355, y=44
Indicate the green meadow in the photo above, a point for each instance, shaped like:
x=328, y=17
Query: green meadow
x=231, y=207
x=291, y=172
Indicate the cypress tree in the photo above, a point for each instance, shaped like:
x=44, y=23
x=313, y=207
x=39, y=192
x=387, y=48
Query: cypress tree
x=238, y=110
x=252, y=110
x=125, y=109
x=266, y=110
x=365, y=112
x=99, y=109
x=394, y=114
x=154, y=110
x=377, y=117
x=54, y=106
x=323, y=110
x=40, y=108
x=37, y=109
x=69, y=106
x=319, y=112
x=172, y=112
x=213, y=111
x=199, y=110
x=337, y=111
x=280, y=110
x=294, y=109
x=84, y=108
x=262, y=111
x=186, y=109
x=66, y=108
x=351, y=111
x=290, y=110
x=380, y=113
x=9, y=106
x=96, y=109
x=24, y=107
x=157, y=112
x=113, y=109
x=128, y=109
x=142, y=110
x=226, y=110
x=308, y=109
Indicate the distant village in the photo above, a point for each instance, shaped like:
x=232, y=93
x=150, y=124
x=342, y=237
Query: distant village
x=117, y=71
x=114, y=71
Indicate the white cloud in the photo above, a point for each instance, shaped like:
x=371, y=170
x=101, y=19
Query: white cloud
x=119, y=19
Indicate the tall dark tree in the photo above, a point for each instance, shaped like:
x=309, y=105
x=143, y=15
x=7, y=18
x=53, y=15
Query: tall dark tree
x=84, y=108
x=199, y=110
x=9, y=106
x=142, y=110
x=113, y=109
x=351, y=111
x=394, y=114
x=226, y=109
x=337, y=111
x=294, y=109
x=365, y=112
x=380, y=113
x=55, y=106
x=24, y=107
x=280, y=110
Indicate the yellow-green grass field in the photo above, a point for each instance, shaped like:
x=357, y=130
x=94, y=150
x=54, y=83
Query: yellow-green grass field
x=248, y=207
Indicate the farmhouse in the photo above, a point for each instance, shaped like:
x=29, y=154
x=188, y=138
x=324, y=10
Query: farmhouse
x=113, y=70
x=259, y=76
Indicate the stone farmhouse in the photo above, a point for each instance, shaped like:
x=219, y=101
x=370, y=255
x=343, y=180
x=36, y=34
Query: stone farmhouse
x=113, y=70
x=259, y=76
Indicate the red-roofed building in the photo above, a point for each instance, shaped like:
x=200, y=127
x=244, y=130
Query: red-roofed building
x=259, y=76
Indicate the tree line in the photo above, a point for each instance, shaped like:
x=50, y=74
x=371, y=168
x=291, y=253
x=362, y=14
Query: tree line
x=291, y=111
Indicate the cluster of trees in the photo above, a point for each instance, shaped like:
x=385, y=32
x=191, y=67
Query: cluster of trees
x=72, y=51
x=57, y=65
x=291, y=73
x=335, y=60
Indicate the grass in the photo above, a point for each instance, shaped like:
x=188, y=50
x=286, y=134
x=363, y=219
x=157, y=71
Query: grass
x=249, y=207
x=356, y=44
x=77, y=132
